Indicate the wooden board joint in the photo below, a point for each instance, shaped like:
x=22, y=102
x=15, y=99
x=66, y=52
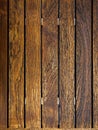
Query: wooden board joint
x=42, y=101
x=41, y=21
x=58, y=21
x=58, y=101
x=25, y=21
x=74, y=21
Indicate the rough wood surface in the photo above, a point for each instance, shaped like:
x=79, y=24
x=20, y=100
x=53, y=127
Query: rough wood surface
x=67, y=63
x=3, y=63
x=53, y=129
x=95, y=63
x=50, y=63
x=33, y=76
x=83, y=63
x=46, y=58
x=16, y=63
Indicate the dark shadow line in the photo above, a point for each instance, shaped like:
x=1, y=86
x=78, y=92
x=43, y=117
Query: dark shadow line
x=91, y=63
x=24, y=63
x=41, y=77
x=75, y=71
x=59, y=64
x=41, y=28
x=8, y=64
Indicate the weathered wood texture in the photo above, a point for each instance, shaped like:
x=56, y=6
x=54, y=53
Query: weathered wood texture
x=67, y=63
x=50, y=63
x=83, y=63
x=53, y=129
x=16, y=63
x=33, y=76
x=3, y=63
x=25, y=59
x=95, y=63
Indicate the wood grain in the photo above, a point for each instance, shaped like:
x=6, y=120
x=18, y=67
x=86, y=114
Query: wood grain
x=83, y=63
x=53, y=129
x=16, y=63
x=95, y=63
x=3, y=63
x=50, y=63
x=67, y=63
x=33, y=71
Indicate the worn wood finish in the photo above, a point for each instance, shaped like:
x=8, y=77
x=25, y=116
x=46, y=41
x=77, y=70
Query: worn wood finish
x=83, y=63
x=50, y=63
x=67, y=63
x=53, y=129
x=52, y=60
x=95, y=62
x=3, y=63
x=16, y=63
x=33, y=76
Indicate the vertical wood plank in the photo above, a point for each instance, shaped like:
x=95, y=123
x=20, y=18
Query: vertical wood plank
x=50, y=63
x=3, y=63
x=95, y=62
x=67, y=63
x=16, y=63
x=83, y=63
x=33, y=71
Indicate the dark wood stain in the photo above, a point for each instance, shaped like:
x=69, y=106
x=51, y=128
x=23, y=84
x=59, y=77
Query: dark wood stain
x=67, y=63
x=95, y=63
x=49, y=63
x=46, y=73
x=3, y=63
x=83, y=63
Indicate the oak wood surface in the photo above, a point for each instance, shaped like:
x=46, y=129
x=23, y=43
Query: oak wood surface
x=67, y=63
x=33, y=71
x=16, y=63
x=50, y=63
x=3, y=63
x=95, y=63
x=83, y=63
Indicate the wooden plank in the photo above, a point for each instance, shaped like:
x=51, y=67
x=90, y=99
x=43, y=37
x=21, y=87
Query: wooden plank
x=49, y=63
x=95, y=62
x=83, y=63
x=33, y=72
x=16, y=63
x=53, y=129
x=67, y=63
x=3, y=63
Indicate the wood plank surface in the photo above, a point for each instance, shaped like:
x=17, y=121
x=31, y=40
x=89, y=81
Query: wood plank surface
x=95, y=63
x=16, y=63
x=50, y=63
x=3, y=63
x=83, y=63
x=67, y=63
x=33, y=71
x=52, y=129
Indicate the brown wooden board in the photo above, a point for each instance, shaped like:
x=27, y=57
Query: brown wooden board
x=67, y=63
x=3, y=63
x=16, y=63
x=83, y=63
x=33, y=71
x=51, y=129
x=50, y=63
x=95, y=63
